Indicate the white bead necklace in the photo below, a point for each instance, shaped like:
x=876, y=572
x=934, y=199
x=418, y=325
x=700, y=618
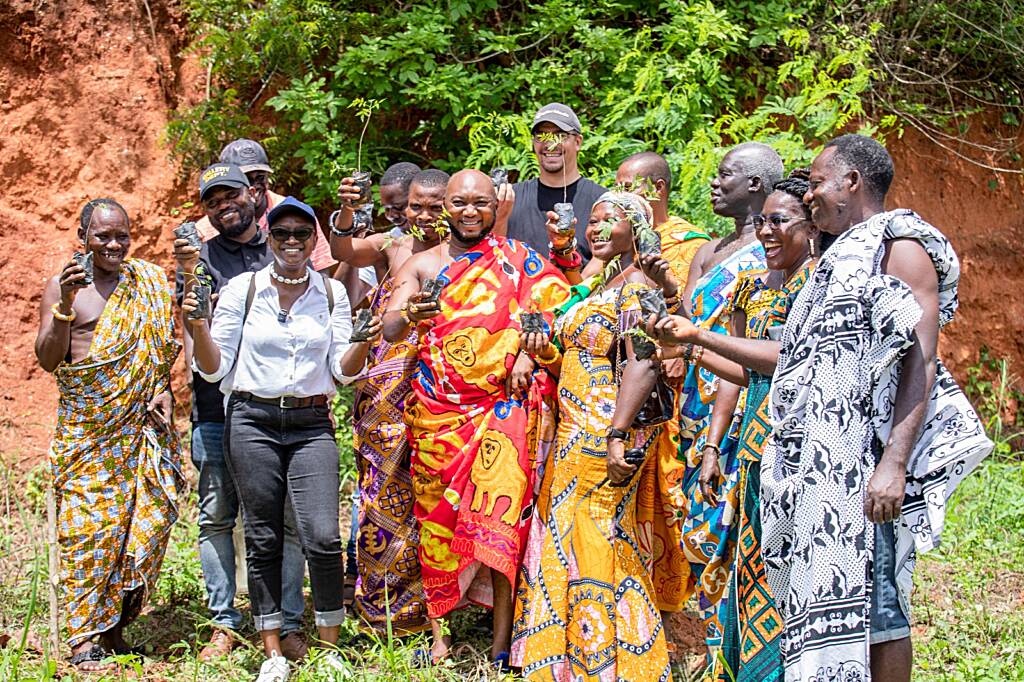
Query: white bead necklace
x=285, y=280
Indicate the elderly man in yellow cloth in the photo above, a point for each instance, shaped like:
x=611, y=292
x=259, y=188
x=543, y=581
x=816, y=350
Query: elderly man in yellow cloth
x=107, y=335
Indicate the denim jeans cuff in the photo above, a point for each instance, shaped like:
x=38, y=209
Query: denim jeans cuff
x=889, y=635
x=326, y=619
x=271, y=621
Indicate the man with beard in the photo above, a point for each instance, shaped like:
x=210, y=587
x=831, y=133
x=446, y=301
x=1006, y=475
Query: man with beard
x=557, y=136
x=240, y=246
x=870, y=433
x=250, y=156
x=476, y=407
x=384, y=539
x=106, y=332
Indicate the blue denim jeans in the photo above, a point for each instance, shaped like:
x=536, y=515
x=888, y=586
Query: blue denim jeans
x=218, y=509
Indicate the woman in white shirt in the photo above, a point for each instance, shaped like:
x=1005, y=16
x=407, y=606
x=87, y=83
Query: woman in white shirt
x=278, y=342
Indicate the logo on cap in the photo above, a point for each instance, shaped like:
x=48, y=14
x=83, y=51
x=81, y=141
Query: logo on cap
x=214, y=172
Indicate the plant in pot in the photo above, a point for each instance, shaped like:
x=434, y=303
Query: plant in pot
x=563, y=208
x=364, y=111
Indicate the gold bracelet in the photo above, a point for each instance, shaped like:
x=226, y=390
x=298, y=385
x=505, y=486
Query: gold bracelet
x=58, y=315
x=548, y=359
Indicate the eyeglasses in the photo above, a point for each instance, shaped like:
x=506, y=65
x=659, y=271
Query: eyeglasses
x=775, y=219
x=280, y=234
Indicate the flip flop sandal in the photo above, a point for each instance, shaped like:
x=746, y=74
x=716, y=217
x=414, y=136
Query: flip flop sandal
x=94, y=654
x=500, y=663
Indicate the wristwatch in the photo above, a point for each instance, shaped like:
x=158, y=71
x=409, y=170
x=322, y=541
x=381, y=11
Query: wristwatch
x=616, y=434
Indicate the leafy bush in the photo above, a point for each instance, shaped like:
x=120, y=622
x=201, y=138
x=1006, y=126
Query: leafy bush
x=459, y=80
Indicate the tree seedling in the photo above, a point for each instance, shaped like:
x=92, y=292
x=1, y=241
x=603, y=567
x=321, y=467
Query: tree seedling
x=565, y=217
x=643, y=345
x=652, y=302
x=431, y=290
x=361, y=325
x=204, y=310
x=85, y=261
x=364, y=111
x=189, y=232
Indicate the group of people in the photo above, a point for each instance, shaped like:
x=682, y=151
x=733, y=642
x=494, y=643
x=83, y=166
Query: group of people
x=571, y=408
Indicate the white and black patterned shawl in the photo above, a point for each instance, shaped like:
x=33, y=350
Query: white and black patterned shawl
x=831, y=402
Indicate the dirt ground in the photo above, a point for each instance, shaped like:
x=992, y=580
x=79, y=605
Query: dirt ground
x=85, y=91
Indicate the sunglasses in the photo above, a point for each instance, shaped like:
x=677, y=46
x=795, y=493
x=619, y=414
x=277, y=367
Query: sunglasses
x=774, y=219
x=280, y=234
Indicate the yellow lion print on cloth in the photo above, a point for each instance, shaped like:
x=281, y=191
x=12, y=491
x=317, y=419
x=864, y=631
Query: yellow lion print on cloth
x=503, y=482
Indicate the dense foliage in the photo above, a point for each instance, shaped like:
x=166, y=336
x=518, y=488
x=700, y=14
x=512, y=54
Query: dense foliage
x=458, y=80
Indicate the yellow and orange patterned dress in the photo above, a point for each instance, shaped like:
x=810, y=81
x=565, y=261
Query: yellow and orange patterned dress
x=117, y=477
x=474, y=446
x=585, y=604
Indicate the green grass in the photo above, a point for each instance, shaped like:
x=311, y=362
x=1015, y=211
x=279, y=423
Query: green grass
x=968, y=601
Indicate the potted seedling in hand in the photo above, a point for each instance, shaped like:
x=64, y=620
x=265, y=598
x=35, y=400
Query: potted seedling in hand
x=363, y=328
x=364, y=110
x=190, y=233
x=84, y=261
x=362, y=218
x=499, y=176
x=643, y=345
x=431, y=291
x=652, y=302
x=532, y=320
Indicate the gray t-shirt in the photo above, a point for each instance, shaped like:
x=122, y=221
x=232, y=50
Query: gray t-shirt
x=527, y=222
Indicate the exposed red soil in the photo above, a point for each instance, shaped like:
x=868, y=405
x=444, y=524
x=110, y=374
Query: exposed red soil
x=86, y=87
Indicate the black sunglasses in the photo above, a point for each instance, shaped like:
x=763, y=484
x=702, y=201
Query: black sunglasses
x=280, y=234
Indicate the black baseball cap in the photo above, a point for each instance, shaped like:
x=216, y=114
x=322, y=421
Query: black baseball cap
x=559, y=114
x=249, y=155
x=221, y=175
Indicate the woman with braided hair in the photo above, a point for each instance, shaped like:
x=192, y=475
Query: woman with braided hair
x=751, y=624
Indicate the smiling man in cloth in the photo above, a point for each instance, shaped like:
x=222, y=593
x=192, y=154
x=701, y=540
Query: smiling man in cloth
x=476, y=405
x=115, y=457
x=870, y=433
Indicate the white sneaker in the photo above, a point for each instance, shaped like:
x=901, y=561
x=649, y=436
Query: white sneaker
x=274, y=669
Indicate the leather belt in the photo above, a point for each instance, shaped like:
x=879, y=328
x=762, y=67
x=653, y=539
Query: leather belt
x=285, y=402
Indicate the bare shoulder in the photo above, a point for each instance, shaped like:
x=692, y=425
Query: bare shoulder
x=906, y=259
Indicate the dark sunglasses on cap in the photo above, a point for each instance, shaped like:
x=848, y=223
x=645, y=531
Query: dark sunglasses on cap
x=302, y=234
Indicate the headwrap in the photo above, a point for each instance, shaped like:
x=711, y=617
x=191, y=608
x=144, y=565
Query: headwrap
x=636, y=208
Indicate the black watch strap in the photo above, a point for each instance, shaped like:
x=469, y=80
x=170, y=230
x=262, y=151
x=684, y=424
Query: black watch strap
x=616, y=434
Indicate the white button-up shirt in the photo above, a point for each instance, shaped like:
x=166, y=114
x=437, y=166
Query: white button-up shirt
x=299, y=357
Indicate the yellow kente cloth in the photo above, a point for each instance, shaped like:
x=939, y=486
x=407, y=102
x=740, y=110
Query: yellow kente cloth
x=474, y=446
x=585, y=607
x=116, y=476
x=680, y=241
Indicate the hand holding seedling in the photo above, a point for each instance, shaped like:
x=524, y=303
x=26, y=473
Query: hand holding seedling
x=660, y=272
x=423, y=307
x=349, y=193
x=559, y=239
x=673, y=330
x=72, y=278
